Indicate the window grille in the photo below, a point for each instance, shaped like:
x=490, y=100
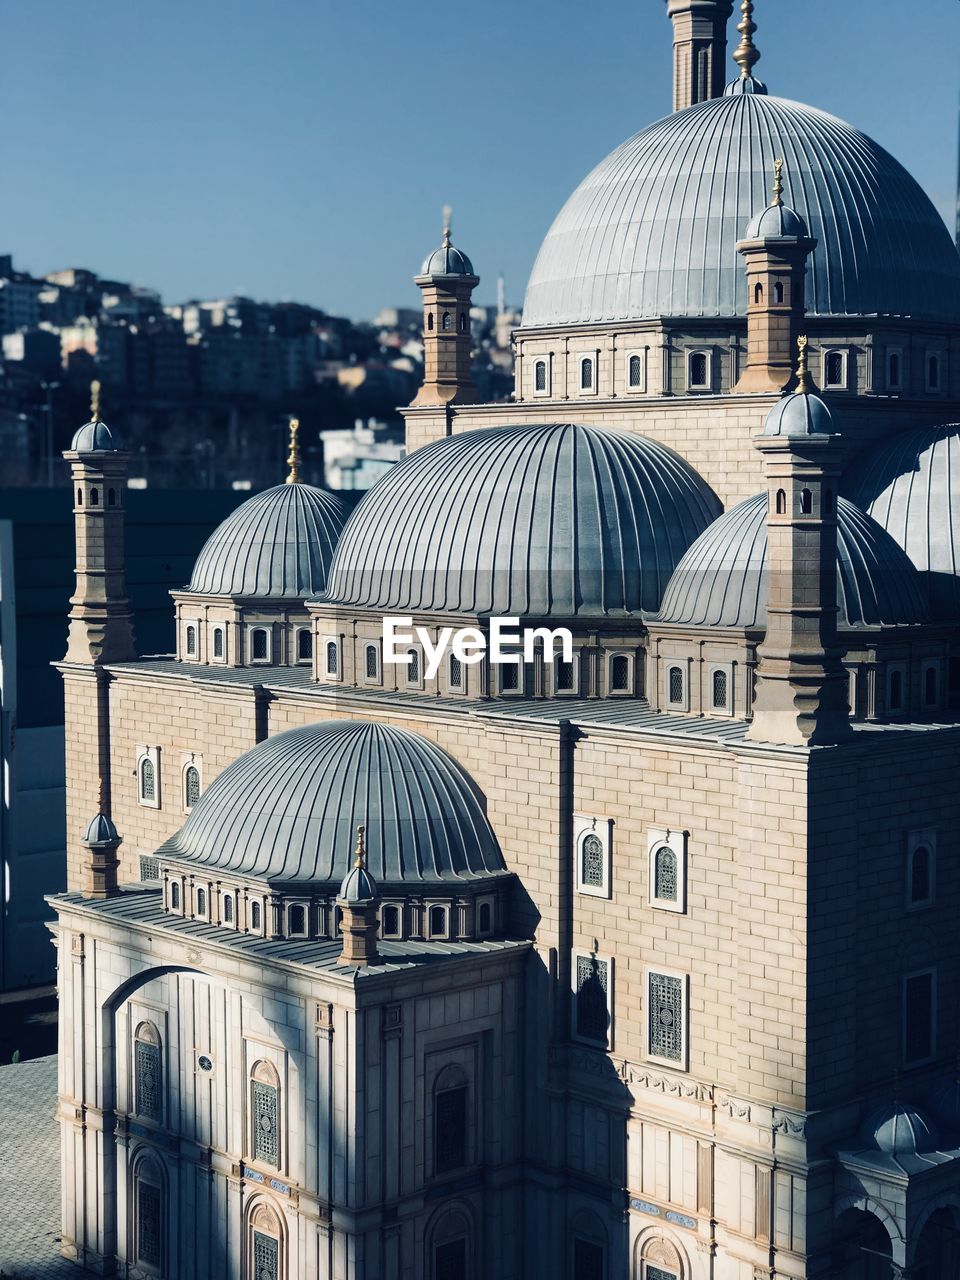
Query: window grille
x=149, y=1228
x=719, y=690
x=332, y=656
x=228, y=910
x=218, y=642
x=918, y=1018
x=676, y=685
x=148, y=780
x=665, y=878
x=413, y=667
x=540, y=375
x=620, y=673
x=456, y=672
x=592, y=991
x=658, y=1273
x=266, y=1257
x=587, y=1260
x=149, y=868
x=636, y=372
x=586, y=374
x=372, y=662
x=175, y=897
x=450, y=1260
x=148, y=1081
x=390, y=920
x=298, y=919
x=304, y=644
x=265, y=1124
x=563, y=674
x=191, y=640
x=665, y=1017
x=259, y=645
x=591, y=861
x=698, y=369
x=510, y=677
x=445, y=323
x=191, y=785
x=255, y=916
x=201, y=902
x=835, y=369
x=485, y=918
x=450, y=1129
x=438, y=922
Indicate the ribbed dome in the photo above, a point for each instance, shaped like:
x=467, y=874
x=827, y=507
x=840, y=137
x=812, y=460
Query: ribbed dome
x=911, y=486
x=277, y=544
x=777, y=221
x=652, y=231
x=447, y=261
x=100, y=830
x=722, y=580
x=900, y=1130
x=94, y=437
x=288, y=811
x=799, y=414
x=554, y=520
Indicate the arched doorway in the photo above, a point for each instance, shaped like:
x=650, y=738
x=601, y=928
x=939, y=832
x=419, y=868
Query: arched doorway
x=861, y=1247
x=938, y=1248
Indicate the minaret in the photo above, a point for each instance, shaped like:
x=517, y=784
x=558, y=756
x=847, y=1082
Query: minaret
x=101, y=841
x=699, y=49
x=801, y=686
x=358, y=900
x=101, y=625
x=775, y=251
x=446, y=281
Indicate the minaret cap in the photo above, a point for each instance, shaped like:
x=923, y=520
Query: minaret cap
x=94, y=436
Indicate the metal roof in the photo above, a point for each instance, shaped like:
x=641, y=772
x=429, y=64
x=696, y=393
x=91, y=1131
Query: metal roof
x=799, y=414
x=652, y=231
x=288, y=811
x=911, y=486
x=722, y=580
x=447, y=261
x=554, y=520
x=276, y=544
x=94, y=437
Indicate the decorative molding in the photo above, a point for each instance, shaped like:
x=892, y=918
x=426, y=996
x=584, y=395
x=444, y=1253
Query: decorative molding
x=734, y=1108
x=794, y=1126
x=595, y=1062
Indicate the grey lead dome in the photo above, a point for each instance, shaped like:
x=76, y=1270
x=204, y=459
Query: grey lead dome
x=556, y=520
x=277, y=544
x=288, y=810
x=94, y=437
x=653, y=230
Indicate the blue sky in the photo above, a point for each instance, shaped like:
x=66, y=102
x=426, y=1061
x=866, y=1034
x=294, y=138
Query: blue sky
x=303, y=148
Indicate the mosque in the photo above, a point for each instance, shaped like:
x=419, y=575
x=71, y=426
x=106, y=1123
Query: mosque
x=639, y=963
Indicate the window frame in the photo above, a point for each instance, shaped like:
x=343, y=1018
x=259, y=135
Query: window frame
x=304, y=906
x=264, y=1073
x=335, y=677
x=937, y=389
x=726, y=669
x=191, y=763
x=222, y=656
x=683, y=666
x=922, y=838
x=580, y=357
x=892, y=669
x=610, y=962
x=479, y=905
x=377, y=677
x=251, y=629
x=258, y=929
x=152, y=1039
x=684, y=978
x=520, y=668
x=825, y=355
x=926, y=666
x=191, y=626
x=299, y=631
x=891, y=386
x=931, y=973
x=151, y=756
x=446, y=908
x=643, y=355
x=460, y=687
x=554, y=666
x=631, y=658
x=586, y=825
x=547, y=363
x=690, y=354
x=391, y=933
x=676, y=840
x=417, y=681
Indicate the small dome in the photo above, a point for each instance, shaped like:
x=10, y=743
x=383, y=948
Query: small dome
x=722, y=580
x=278, y=544
x=776, y=222
x=447, y=261
x=100, y=830
x=910, y=484
x=94, y=437
x=799, y=414
x=744, y=84
x=288, y=810
x=358, y=886
x=900, y=1130
x=553, y=520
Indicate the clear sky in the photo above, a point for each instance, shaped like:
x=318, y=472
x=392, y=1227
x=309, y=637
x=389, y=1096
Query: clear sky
x=303, y=148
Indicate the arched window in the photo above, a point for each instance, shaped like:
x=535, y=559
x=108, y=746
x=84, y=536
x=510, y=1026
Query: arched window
x=297, y=920
x=449, y=1248
x=758, y=293
x=586, y=374
x=485, y=918
x=463, y=322
x=456, y=672
x=430, y=322
x=894, y=368
x=259, y=649
x=563, y=676
x=781, y=503
x=218, y=642
x=148, y=1208
x=698, y=370
x=148, y=779
x=591, y=1009
x=921, y=879
x=79, y=497
x=933, y=374
x=778, y=291
x=227, y=908
x=266, y=1244
x=592, y=861
x=445, y=322
x=413, y=666
x=450, y=1104
x=265, y=1114
x=438, y=922
x=174, y=897
x=719, y=690
x=304, y=644
x=333, y=657
x=895, y=682
x=931, y=686
x=635, y=372
x=191, y=786
x=806, y=502
x=659, y=1260
x=372, y=661
x=201, y=902
x=835, y=369
x=666, y=880
x=111, y=497
x=540, y=375
x=588, y=1247
x=390, y=921
x=148, y=1073
x=675, y=686
x=256, y=916
x=619, y=673
x=192, y=641
x=94, y=497
x=509, y=677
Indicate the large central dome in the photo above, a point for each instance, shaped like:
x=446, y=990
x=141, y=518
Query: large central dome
x=652, y=231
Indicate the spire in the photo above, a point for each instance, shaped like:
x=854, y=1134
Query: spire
x=293, y=457
x=95, y=401
x=805, y=385
x=746, y=55
x=777, y=184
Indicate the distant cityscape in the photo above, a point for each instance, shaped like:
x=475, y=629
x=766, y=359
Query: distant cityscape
x=202, y=391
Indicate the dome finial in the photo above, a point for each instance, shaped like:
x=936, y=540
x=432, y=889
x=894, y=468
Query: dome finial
x=293, y=457
x=777, y=183
x=804, y=381
x=447, y=216
x=95, y=401
x=361, y=852
x=746, y=55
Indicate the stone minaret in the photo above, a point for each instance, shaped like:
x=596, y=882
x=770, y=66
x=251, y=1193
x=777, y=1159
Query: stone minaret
x=446, y=281
x=699, y=49
x=101, y=625
x=802, y=687
x=101, y=841
x=358, y=900
x=775, y=250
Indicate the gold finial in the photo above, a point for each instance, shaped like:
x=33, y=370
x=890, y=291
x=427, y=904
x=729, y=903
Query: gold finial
x=95, y=401
x=746, y=55
x=804, y=381
x=447, y=215
x=293, y=457
x=361, y=853
x=777, y=183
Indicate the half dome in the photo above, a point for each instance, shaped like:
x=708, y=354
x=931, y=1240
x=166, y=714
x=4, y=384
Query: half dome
x=278, y=544
x=911, y=486
x=722, y=580
x=652, y=231
x=534, y=521
x=288, y=810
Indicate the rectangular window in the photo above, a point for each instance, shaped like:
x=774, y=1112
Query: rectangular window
x=456, y=672
x=450, y=1130
x=332, y=656
x=676, y=687
x=149, y=1227
x=835, y=370
x=450, y=1260
x=933, y=371
x=896, y=688
x=894, y=370
x=637, y=371
x=586, y=375
x=265, y=1123
x=592, y=852
x=698, y=371
x=564, y=676
x=666, y=1018
x=259, y=645
x=919, y=1017
x=592, y=1020
x=266, y=1257
x=587, y=1260
x=541, y=378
